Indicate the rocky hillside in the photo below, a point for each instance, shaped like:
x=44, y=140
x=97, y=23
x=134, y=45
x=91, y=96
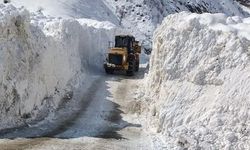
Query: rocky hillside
x=244, y=2
x=142, y=16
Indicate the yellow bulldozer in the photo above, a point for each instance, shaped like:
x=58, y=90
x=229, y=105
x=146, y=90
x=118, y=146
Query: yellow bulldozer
x=124, y=55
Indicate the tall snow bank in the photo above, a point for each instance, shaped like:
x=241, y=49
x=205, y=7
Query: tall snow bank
x=43, y=60
x=199, y=81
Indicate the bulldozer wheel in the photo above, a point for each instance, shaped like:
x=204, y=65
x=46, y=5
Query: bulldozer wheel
x=137, y=66
x=131, y=67
x=109, y=71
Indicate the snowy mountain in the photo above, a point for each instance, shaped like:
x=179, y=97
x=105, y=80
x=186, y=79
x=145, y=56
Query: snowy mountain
x=139, y=17
x=94, y=9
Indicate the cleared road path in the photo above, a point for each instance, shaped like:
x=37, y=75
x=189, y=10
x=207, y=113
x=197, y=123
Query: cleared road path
x=102, y=119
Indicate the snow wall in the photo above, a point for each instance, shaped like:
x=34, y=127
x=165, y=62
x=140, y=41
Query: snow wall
x=198, y=81
x=42, y=61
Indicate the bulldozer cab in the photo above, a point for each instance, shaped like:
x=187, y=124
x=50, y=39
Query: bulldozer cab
x=125, y=42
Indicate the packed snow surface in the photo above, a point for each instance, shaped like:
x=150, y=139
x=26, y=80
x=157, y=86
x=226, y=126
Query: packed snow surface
x=198, y=81
x=43, y=60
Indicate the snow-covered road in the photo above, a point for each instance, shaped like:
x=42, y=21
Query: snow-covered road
x=103, y=118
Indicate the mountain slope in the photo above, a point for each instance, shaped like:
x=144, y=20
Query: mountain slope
x=94, y=9
x=139, y=17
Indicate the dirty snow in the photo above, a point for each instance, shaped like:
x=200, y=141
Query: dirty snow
x=198, y=82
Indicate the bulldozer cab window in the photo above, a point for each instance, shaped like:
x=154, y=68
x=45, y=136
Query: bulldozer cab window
x=125, y=41
x=121, y=42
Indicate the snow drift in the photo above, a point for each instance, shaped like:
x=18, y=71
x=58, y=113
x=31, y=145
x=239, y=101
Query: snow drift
x=42, y=61
x=198, y=82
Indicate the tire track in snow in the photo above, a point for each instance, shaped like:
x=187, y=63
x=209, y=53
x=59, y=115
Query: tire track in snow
x=86, y=100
